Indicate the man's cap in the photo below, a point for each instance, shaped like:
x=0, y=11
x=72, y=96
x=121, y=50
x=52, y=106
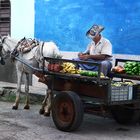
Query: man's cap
x=95, y=30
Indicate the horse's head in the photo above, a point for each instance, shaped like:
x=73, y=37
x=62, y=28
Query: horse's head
x=6, y=46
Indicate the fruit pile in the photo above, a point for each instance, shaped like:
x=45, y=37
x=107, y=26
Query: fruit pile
x=89, y=73
x=118, y=69
x=69, y=68
x=132, y=68
x=124, y=83
x=54, y=67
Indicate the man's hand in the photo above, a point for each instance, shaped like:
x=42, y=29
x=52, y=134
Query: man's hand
x=84, y=57
x=80, y=54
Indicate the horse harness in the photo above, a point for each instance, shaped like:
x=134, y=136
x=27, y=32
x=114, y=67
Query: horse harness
x=22, y=47
x=26, y=45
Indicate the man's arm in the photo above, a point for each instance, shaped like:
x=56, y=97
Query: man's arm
x=95, y=57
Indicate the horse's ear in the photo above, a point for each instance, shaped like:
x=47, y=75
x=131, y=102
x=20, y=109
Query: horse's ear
x=8, y=35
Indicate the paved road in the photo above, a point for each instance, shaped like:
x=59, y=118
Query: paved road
x=29, y=125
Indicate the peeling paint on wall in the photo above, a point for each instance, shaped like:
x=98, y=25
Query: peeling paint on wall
x=66, y=22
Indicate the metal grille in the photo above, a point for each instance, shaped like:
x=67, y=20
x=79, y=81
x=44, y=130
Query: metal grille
x=5, y=17
x=121, y=93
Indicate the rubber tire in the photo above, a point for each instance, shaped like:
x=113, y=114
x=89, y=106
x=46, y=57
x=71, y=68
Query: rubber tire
x=71, y=99
x=125, y=116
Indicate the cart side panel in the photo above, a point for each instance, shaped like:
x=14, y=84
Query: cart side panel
x=82, y=88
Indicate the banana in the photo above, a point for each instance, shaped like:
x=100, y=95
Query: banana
x=69, y=68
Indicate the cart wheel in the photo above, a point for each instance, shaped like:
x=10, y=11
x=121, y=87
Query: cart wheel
x=125, y=114
x=67, y=111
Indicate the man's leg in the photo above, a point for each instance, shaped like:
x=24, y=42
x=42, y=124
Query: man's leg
x=86, y=66
x=106, y=67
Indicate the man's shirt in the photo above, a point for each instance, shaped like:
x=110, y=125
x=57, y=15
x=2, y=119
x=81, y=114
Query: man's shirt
x=102, y=47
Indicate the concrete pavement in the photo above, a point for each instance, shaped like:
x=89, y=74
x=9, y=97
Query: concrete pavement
x=29, y=125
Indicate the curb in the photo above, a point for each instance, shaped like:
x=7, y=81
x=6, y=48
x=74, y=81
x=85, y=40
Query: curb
x=8, y=93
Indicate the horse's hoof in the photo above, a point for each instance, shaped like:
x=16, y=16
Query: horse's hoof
x=14, y=107
x=47, y=114
x=41, y=111
x=26, y=107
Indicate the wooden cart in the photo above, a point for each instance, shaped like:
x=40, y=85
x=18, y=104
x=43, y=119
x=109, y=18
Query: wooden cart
x=74, y=95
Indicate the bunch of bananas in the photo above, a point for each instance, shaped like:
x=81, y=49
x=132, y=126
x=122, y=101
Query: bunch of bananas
x=69, y=68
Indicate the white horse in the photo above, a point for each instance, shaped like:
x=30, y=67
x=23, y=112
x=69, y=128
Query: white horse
x=34, y=57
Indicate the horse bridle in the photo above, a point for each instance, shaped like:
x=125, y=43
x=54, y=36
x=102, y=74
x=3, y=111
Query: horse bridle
x=2, y=57
x=13, y=53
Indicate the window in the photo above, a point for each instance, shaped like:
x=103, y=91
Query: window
x=5, y=17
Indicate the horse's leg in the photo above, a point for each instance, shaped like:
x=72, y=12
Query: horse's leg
x=19, y=78
x=42, y=110
x=48, y=104
x=27, y=91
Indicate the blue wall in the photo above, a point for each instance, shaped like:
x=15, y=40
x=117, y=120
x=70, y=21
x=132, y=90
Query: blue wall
x=66, y=22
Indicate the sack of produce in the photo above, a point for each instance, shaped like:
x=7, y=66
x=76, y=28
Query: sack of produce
x=118, y=69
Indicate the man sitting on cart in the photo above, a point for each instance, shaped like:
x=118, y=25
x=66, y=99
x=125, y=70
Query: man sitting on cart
x=98, y=50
